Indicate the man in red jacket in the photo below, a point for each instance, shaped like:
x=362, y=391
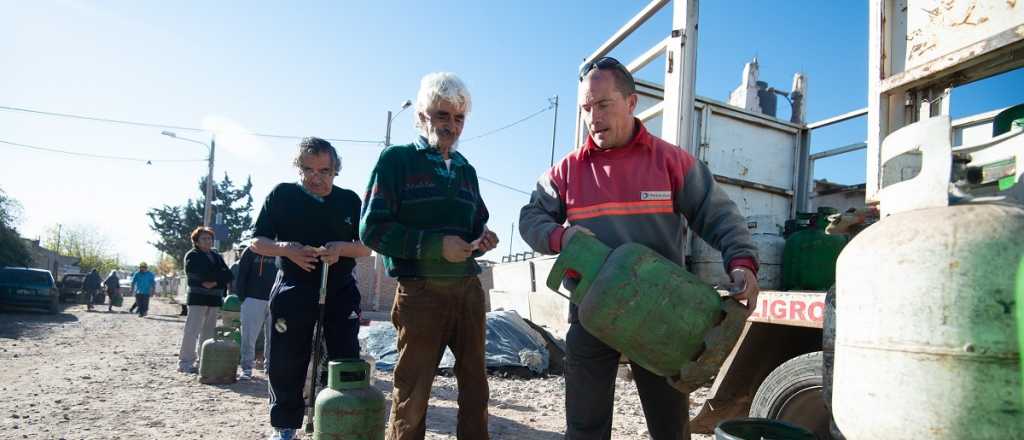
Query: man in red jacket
x=624, y=185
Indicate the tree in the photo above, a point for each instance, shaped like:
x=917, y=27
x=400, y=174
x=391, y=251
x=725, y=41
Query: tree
x=233, y=206
x=85, y=242
x=12, y=248
x=166, y=266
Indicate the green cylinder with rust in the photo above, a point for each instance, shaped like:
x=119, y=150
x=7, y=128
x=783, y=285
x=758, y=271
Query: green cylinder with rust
x=218, y=361
x=642, y=304
x=349, y=408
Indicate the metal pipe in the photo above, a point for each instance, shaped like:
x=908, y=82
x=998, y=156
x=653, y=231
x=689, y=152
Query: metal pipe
x=840, y=150
x=838, y=118
x=639, y=19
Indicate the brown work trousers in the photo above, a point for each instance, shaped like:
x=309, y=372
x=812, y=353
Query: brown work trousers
x=430, y=314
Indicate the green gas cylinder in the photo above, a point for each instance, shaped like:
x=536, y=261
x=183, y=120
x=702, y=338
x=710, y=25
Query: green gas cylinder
x=231, y=312
x=809, y=256
x=349, y=408
x=1020, y=320
x=647, y=307
x=218, y=361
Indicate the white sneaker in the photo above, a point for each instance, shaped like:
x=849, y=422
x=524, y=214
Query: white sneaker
x=246, y=375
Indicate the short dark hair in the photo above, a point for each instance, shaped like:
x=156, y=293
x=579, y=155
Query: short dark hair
x=624, y=81
x=200, y=231
x=316, y=146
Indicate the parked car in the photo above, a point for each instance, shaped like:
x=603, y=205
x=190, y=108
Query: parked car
x=21, y=286
x=70, y=286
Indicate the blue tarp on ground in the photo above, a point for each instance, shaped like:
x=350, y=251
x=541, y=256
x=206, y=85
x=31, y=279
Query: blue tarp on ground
x=510, y=343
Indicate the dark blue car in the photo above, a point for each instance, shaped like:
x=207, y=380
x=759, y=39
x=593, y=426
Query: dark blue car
x=24, y=287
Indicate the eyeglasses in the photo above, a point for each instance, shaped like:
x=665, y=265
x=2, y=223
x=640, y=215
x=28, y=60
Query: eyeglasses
x=605, y=63
x=323, y=174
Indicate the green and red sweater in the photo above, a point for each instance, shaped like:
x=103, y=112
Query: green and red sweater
x=412, y=201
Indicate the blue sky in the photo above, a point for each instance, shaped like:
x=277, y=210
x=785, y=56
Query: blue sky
x=333, y=69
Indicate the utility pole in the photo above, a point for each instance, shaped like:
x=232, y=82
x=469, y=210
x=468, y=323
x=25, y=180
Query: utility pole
x=554, y=129
x=208, y=209
x=56, y=259
x=510, y=235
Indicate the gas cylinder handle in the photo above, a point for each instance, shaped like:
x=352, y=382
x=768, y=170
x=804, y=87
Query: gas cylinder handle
x=930, y=187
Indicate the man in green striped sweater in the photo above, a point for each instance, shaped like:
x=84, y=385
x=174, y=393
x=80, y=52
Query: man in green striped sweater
x=423, y=213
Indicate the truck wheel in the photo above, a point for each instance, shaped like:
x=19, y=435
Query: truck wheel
x=54, y=305
x=793, y=393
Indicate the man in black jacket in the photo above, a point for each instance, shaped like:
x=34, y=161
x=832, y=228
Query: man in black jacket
x=256, y=275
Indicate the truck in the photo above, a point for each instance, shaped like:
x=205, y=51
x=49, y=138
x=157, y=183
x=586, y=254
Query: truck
x=765, y=165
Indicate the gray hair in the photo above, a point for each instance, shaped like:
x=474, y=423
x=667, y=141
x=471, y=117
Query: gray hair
x=441, y=86
x=315, y=146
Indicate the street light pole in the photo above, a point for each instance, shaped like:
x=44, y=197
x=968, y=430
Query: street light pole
x=378, y=262
x=208, y=208
x=387, y=134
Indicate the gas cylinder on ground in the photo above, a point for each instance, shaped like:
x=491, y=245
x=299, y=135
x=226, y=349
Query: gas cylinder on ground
x=925, y=338
x=648, y=308
x=218, y=362
x=349, y=408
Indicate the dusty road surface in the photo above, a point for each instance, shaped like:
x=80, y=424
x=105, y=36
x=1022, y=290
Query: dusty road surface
x=98, y=375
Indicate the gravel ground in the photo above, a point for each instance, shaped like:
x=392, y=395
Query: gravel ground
x=99, y=375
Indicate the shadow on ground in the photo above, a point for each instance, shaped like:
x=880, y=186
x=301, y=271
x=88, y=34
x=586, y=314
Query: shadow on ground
x=16, y=323
x=499, y=427
x=255, y=387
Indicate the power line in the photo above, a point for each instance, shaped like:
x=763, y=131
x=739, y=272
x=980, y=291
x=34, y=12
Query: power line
x=179, y=127
x=96, y=156
x=532, y=115
x=173, y=127
x=502, y=185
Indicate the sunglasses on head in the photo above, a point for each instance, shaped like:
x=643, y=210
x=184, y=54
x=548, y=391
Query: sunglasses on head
x=602, y=64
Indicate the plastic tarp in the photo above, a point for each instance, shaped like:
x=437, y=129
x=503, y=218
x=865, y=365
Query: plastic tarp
x=510, y=343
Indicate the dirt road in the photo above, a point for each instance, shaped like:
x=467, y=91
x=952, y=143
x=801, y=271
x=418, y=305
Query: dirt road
x=98, y=375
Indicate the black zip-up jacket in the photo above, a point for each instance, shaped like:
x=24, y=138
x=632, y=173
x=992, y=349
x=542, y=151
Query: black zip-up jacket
x=200, y=268
x=256, y=275
x=91, y=281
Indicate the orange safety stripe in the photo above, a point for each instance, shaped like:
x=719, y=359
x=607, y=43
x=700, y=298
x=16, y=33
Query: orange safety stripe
x=621, y=208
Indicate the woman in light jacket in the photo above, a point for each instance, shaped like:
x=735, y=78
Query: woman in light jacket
x=208, y=279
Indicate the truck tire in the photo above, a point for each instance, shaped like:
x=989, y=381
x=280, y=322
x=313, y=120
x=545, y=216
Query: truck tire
x=793, y=393
x=54, y=306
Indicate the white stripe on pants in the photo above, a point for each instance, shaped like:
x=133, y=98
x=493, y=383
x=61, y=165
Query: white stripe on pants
x=255, y=317
x=199, y=326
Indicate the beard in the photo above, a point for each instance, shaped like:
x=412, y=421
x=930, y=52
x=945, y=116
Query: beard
x=434, y=138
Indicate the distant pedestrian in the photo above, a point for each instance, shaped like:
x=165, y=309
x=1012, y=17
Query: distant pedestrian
x=256, y=275
x=143, y=285
x=113, y=285
x=208, y=278
x=91, y=285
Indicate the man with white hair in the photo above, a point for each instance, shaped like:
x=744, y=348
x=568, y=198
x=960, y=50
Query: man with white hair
x=424, y=214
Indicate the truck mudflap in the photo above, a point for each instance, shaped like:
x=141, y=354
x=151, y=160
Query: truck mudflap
x=782, y=326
